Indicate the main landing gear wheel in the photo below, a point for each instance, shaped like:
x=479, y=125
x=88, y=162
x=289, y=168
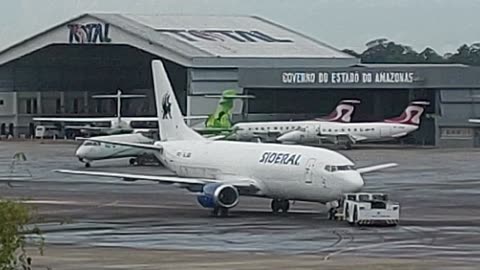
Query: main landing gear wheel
x=87, y=165
x=220, y=212
x=348, y=146
x=132, y=161
x=277, y=205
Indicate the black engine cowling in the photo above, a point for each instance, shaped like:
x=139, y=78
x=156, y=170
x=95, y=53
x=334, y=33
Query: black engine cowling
x=218, y=195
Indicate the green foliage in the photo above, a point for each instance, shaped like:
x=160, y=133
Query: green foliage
x=15, y=218
x=388, y=52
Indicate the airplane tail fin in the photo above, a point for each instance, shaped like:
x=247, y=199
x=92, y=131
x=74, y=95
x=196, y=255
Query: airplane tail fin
x=342, y=113
x=170, y=119
x=411, y=115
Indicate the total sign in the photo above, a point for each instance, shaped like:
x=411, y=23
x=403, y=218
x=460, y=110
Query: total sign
x=89, y=33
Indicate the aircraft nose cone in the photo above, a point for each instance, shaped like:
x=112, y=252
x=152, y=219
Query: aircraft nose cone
x=80, y=153
x=354, y=182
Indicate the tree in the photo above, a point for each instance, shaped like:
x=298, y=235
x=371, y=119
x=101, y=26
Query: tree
x=429, y=55
x=15, y=218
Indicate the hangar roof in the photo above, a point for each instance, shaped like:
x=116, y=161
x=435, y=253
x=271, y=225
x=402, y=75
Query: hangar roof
x=191, y=40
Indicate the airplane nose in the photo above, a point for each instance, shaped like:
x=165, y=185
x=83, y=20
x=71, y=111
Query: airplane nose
x=80, y=153
x=354, y=182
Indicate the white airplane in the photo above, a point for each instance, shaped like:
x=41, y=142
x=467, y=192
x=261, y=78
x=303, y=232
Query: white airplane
x=220, y=171
x=118, y=124
x=90, y=151
x=270, y=131
x=351, y=133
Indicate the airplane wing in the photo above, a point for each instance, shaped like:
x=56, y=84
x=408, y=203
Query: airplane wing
x=88, y=128
x=206, y=130
x=476, y=121
x=376, y=168
x=140, y=119
x=136, y=145
x=246, y=184
x=74, y=119
x=349, y=137
x=400, y=135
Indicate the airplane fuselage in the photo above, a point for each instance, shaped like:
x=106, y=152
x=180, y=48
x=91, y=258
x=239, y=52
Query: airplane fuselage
x=269, y=130
x=282, y=171
x=313, y=131
x=91, y=151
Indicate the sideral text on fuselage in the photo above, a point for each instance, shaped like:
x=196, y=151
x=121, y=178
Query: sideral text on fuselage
x=280, y=158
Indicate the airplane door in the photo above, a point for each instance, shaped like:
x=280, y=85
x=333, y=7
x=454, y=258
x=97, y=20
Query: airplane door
x=309, y=168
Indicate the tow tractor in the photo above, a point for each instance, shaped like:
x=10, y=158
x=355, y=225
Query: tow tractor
x=367, y=209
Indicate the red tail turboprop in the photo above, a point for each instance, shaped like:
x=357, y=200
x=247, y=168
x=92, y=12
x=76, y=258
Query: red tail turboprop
x=411, y=115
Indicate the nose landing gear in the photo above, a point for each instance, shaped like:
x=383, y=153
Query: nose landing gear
x=279, y=204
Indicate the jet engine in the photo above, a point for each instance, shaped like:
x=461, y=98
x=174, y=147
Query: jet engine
x=304, y=135
x=218, y=195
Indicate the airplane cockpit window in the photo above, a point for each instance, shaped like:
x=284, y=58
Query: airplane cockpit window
x=334, y=168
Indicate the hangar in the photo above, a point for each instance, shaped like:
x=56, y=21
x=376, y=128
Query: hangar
x=55, y=73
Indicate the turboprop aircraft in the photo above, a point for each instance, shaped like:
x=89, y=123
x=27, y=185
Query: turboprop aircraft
x=90, y=151
x=216, y=123
x=350, y=133
x=118, y=124
x=271, y=130
x=221, y=171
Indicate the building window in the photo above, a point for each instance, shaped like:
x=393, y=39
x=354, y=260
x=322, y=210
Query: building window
x=456, y=133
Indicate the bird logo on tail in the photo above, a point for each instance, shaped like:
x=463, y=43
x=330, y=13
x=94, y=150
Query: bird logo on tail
x=166, y=107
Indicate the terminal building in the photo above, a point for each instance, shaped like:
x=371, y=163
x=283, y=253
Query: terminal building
x=293, y=76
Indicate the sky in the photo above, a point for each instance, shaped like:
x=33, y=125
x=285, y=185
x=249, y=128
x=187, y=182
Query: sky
x=443, y=25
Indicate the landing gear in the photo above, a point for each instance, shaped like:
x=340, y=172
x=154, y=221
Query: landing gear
x=132, y=161
x=278, y=204
x=87, y=165
x=348, y=146
x=220, y=212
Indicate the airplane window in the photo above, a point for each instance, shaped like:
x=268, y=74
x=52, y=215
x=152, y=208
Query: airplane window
x=249, y=128
x=286, y=128
x=345, y=168
x=348, y=129
x=263, y=128
x=281, y=128
x=88, y=143
x=354, y=129
x=256, y=128
x=324, y=130
x=343, y=129
x=336, y=130
x=107, y=145
x=361, y=129
x=275, y=128
x=334, y=168
x=328, y=168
